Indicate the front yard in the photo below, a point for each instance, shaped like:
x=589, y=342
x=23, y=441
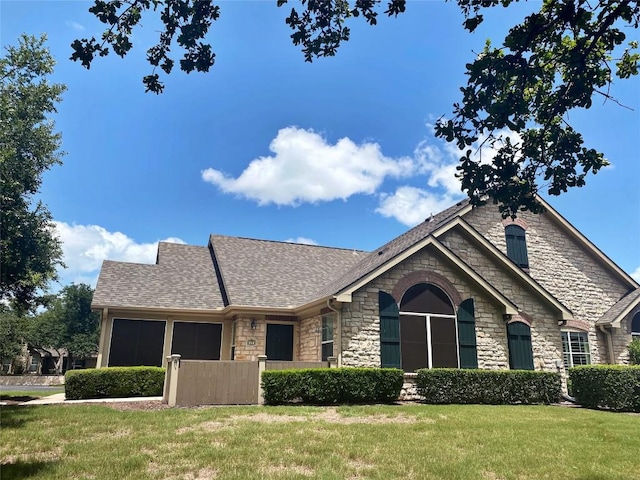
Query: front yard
x=370, y=442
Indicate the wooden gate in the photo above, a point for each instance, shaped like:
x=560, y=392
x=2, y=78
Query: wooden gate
x=224, y=382
x=221, y=382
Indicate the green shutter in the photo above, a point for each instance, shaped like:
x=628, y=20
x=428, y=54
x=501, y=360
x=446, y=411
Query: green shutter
x=467, y=335
x=389, y=331
x=517, y=245
x=520, y=349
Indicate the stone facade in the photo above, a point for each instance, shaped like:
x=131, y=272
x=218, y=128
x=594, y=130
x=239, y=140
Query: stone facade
x=557, y=262
x=309, y=347
x=567, y=270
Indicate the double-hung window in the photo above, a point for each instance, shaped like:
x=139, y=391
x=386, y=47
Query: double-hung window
x=327, y=337
x=575, y=349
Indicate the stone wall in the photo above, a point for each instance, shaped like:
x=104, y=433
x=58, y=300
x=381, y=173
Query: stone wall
x=309, y=346
x=361, y=324
x=250, y=342
x=567, y=270
x=557, y=262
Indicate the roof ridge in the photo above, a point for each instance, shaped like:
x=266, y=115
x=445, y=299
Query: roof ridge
x=284, y=242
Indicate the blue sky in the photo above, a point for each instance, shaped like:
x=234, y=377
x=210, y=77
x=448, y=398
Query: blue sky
x=338, y=152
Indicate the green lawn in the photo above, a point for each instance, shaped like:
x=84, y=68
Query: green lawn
x=372, y=442
x=25, y=395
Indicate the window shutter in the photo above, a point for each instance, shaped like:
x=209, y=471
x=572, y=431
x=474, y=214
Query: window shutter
x=517, y=245
x=389, y=331
x=520, y=350
x=467, y=335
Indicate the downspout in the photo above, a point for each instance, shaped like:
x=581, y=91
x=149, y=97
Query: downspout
x=607, y=334
x=339, y=329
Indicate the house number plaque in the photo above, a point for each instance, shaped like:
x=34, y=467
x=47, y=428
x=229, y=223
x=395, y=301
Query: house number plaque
x=251, y=342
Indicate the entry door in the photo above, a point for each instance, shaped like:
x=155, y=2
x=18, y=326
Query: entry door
x=279, y=342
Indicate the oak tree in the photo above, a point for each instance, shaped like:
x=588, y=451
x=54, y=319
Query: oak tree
x=518, y=93
x=29, y=249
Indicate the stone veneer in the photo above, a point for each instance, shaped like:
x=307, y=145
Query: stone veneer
x=558, y=263
x=567, y=270
x=309, y=346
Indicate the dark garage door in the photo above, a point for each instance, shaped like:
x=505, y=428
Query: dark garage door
x=136, y=342
x=197, y=341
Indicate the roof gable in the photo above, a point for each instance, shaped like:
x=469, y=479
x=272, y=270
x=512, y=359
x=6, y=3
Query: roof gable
x=182, y=278
x=381, y=257
x=258, y=273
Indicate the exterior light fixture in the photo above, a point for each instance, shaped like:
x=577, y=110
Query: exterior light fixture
x=253, y=324
x=507, y=317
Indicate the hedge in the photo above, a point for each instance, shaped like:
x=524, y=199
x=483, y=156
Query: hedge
x=616, y=387
x=496, y=387
x=326, y=386
x=114, y=382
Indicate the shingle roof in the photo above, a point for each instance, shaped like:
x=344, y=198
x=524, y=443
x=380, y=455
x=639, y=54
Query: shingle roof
x=184, y=277
x=390, y=250
x=277, y=274
x=619, y=309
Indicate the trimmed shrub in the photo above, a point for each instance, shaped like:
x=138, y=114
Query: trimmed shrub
x=114, y=382
x=616, y=387
x=634, y=351
x=327, y=386
x=496, y=387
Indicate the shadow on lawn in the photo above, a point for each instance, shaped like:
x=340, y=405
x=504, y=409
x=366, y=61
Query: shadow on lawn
x=15, y=416
x=20, y=469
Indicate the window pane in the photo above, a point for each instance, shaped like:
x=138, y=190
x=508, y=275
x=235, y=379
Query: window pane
x=327, y=350
x=443, y=343
x=327, y=328
x=413, y=349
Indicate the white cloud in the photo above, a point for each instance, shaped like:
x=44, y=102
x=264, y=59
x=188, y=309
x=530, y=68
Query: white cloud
x=74, y=25
x=86, y=246
x=636, y=274
x=302, y=240
x=411, y=205
x=304, y=167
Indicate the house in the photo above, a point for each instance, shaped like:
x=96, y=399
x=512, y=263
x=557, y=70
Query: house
x=465, y=288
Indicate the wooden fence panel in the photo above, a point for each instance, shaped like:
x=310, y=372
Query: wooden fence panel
x=276, y=365
x=217, y=382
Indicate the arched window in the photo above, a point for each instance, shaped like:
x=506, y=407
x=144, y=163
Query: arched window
x=517, y=245
x=635, y=326
x=428, y=332
x=424, y=332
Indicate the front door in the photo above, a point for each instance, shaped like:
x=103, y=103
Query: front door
x=279, y=342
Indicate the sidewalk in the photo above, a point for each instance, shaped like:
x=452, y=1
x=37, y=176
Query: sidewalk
x=59, y=398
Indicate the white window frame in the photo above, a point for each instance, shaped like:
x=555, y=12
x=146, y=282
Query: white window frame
x=327, y=322
x=635, y=334
x=569, y=355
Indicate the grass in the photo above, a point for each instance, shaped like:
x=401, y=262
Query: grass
x=26, y=395
x=370, y=442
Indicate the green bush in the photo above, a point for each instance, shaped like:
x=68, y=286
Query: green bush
x=616, y=387
x=114, y=382
x=496, y=387
x=327, y=386
x=634, y=351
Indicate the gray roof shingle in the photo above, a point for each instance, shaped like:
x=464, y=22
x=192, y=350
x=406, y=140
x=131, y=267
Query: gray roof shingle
x=613, y=314
x=390, y=250
x=277, y=274
x=184, y=277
